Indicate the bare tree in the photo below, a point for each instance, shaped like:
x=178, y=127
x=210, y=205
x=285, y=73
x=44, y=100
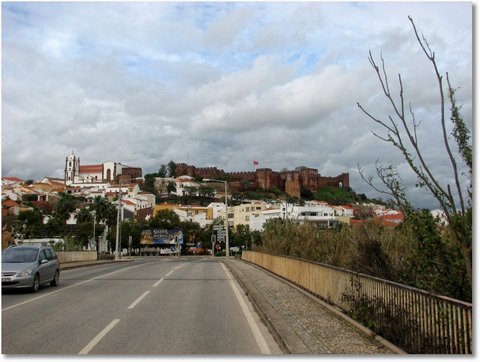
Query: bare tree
x=401, y=132
x=392, y=183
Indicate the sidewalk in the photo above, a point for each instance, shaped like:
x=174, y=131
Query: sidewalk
x=301, y=323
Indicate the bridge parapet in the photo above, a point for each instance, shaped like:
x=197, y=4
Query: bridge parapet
x=415, y=320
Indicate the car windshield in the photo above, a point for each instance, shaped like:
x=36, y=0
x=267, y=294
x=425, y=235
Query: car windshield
x=17, y=255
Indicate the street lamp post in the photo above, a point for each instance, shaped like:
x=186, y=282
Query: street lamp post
x=117, y=234
x=227, y=245
x=94, y=222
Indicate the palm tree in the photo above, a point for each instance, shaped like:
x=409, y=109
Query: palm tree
x=83, y=215
x=65, y=206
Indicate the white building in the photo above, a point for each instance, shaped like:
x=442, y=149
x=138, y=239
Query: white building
x=257, y=222
x=320, y=213
x=183, y=182
x=218, y=211
x=190, y=214
x=109, y=171
x=244, y=212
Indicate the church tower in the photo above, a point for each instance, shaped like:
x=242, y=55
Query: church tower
x=72, y=168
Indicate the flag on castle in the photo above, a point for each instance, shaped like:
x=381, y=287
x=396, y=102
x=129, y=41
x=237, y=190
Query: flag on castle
x=255, y=163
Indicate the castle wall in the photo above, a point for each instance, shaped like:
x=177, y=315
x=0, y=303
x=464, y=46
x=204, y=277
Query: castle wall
x=290, y=182
x=309, y=179
x=342, y=180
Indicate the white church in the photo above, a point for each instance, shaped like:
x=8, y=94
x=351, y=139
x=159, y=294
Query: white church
x=111, y=172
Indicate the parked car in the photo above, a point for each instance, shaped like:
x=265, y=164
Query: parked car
x=29, y=266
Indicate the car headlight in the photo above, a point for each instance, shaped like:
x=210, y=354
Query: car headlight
x=25, y=273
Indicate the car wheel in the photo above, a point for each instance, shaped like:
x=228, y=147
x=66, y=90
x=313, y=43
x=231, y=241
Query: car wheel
x=36, y=283
x=56, y=279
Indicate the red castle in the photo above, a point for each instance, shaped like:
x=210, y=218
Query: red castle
x=291, y=182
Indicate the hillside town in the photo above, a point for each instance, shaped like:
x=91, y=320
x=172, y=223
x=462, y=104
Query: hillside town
x=122, y=185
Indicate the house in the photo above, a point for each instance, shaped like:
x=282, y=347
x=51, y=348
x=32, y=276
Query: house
x=11, y=181
x=201, y=215
x=12, y=207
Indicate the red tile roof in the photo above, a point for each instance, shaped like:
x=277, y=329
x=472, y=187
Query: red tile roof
x=91, y=168
x=12, y=179
x=10, y=203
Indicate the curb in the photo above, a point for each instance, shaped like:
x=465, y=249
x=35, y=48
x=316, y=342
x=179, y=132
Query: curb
x=288, y=341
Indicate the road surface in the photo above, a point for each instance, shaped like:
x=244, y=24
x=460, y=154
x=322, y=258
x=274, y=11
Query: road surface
x=186, y=305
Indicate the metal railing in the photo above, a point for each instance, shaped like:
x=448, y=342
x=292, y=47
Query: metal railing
x=415, y=320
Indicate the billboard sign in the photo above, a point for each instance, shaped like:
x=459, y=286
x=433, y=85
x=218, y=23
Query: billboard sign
x=162, y=236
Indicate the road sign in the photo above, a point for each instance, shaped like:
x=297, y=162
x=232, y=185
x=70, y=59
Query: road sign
x=217, y=227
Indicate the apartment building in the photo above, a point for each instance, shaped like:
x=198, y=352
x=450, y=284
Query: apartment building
x=242, y=214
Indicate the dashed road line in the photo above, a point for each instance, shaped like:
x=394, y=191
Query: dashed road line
x=138, y=300
x=99, y=337
x=158, y=282
x=66, y=288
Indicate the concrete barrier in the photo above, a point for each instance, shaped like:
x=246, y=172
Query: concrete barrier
x=75, y=256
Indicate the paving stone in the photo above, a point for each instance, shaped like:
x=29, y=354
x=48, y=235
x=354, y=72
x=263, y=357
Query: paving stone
x=321, y=331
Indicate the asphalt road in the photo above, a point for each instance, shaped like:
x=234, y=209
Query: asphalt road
x=164, y=306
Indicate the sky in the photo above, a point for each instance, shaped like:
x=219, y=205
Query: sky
x=224, y=83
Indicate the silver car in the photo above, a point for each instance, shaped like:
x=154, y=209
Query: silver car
x=29, y=266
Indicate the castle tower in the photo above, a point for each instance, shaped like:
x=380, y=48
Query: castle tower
x=72, y=167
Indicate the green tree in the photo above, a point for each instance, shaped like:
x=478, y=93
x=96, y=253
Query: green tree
x=162, y=172
x=149, y=183
x=171, y=187
x=134, y=229
x=65, y=206
x=172, y=169
x=165, y=219
x=29, y=224
x=55, y=227
x=241, y=236
x=105, y=212
x=84, y=215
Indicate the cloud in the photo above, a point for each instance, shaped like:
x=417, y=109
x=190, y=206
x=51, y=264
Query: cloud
x=221, y=84
x=295, y=104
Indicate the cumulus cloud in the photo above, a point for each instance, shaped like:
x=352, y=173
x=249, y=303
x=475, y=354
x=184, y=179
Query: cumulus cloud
x=222, y=84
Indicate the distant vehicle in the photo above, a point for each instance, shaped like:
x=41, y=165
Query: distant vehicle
x=29, y=266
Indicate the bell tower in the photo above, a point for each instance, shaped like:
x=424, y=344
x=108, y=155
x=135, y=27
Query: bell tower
x=72, y=168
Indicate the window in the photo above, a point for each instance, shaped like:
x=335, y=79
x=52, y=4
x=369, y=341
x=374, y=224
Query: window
x=49, y=254
x=43, y=255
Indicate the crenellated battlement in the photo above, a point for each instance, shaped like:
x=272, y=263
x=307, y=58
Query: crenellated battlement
x=291, y=182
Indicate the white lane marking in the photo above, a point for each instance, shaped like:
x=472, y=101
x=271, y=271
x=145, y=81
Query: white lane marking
x=170, y=272
x=70, y=286
x=99, y=337
x=131, y=306
x=264, y=349
x=156, y=284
